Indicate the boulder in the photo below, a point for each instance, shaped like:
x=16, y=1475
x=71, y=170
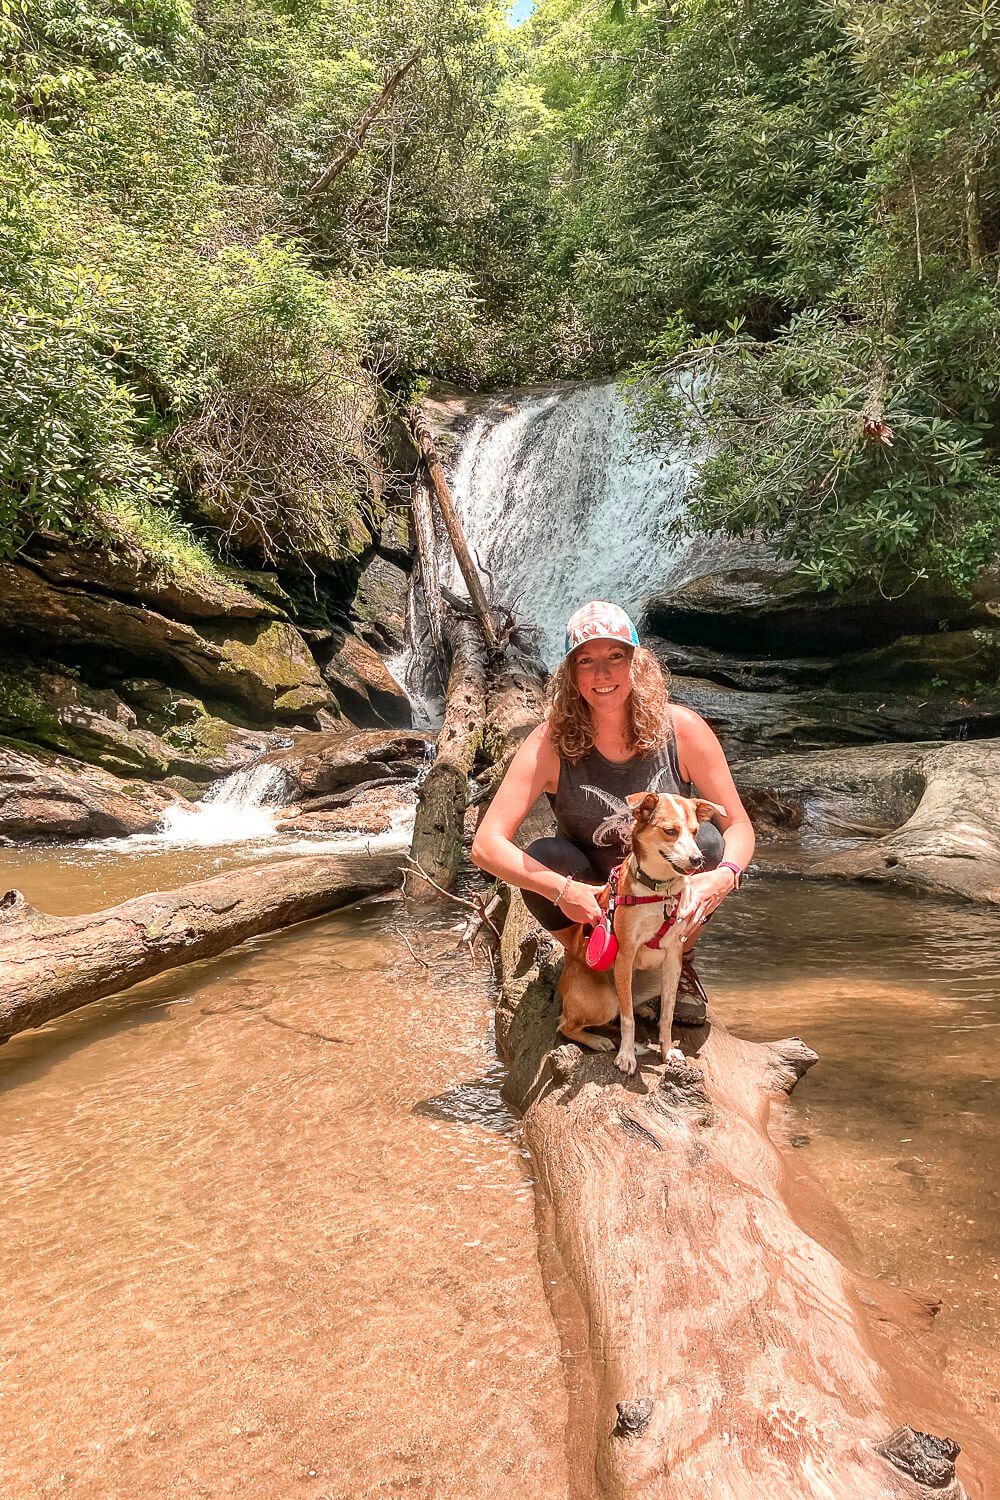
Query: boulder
x=190, y=593
x=47, y=797
x=319, y=764
x=163, y=734
x=370, y=811
x=263, y=664
x=760, y=605
x=364, y=689
x=772, y=722
x=380, y=601
x=925, y=816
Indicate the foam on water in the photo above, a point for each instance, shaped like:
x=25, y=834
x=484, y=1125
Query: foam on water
x=241, y=809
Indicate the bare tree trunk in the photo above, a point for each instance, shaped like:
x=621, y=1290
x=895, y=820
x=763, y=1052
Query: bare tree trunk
x=439, y=826
x=973, y=221
x=439, y=488
x=423, y=532
x=52, y=965
x=717, y=1349
x=358, y=131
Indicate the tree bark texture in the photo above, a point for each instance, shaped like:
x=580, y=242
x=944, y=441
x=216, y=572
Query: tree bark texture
x=360, y=128
x=442, y=495
x=439, y=827
x=713, y=1347
x=515, y=706
x=52, y=965
x=423, y=532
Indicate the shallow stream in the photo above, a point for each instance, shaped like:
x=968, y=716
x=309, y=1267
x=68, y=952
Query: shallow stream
x=269, y=1229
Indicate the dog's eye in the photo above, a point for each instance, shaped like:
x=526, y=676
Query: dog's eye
x=671, y=833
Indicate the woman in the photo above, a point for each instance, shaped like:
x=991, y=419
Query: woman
x=610, y=731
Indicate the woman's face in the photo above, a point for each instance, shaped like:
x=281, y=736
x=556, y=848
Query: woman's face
x=603, y=674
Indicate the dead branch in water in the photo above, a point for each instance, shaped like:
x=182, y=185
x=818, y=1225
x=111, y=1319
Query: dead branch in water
x=52, y=965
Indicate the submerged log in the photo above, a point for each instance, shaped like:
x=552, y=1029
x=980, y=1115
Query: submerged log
x=52, y=965
x=438, y=829
x=717, y=1349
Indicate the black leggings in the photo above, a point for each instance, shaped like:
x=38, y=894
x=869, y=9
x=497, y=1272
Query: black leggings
x=560, y=855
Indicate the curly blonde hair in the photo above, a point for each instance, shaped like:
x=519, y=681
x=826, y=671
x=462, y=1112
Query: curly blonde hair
x=647, y=721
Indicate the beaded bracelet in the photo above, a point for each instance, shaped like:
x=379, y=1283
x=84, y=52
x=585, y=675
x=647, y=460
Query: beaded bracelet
x=563, y=889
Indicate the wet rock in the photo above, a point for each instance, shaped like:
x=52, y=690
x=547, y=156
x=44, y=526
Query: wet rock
x=365, y=690
x=759, y=605
x=380, y=601
x=814, y=718
x=925, y=816
x=372, y=811
x=331, y=762
x=52, y=707
x=43, y=796
x=263, y=664
x=968, y=660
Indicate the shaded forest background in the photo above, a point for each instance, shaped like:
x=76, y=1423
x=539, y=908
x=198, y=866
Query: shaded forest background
x=784, y=215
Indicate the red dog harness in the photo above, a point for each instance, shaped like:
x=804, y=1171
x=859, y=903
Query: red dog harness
x=602, y=947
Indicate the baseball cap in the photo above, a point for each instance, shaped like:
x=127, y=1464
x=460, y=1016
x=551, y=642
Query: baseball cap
x=599, y=621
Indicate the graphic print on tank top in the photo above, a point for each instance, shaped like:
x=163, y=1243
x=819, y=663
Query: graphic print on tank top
x=618, y=827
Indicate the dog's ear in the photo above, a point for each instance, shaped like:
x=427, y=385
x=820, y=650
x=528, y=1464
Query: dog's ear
x=705, y=810
x=643, y=804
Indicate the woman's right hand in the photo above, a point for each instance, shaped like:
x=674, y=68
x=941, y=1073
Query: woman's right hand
x=579, y=904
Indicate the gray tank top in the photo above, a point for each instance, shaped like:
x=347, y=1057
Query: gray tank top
x=589, y=803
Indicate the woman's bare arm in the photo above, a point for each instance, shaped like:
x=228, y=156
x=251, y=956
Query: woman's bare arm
x=534, y=770
x=702, y=761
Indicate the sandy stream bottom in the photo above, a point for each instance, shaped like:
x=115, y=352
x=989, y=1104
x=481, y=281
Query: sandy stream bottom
x=269, y=1231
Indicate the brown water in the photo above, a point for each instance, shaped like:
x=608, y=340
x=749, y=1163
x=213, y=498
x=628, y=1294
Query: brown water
x=269, y=1231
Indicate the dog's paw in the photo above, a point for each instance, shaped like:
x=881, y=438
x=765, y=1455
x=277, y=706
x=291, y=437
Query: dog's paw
x=675, y=1058
x=625, y=1063
x=647, y=1010
x=601, y=1043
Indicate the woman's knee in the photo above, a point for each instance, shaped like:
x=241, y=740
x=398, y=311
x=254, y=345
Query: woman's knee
x=712, y=845
x=563, y=857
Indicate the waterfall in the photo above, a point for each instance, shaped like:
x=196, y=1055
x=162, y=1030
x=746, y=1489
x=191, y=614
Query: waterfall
x=561, y=503
x=238, y=809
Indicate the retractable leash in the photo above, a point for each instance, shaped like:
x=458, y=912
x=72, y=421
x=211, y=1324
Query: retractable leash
x=602, y=945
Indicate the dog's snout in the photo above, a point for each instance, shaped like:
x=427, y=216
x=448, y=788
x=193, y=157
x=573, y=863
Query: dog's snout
x=696, y=861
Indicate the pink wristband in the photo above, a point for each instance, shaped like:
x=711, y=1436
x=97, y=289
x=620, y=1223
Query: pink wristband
x=727, y=864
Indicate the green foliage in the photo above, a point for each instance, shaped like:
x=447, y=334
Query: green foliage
x=804, y=196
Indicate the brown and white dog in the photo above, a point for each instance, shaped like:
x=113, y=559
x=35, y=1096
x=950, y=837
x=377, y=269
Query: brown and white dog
x=652, y=883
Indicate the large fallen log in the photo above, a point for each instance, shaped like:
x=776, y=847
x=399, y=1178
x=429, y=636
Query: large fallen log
x=52, y=965
x=438, y=828
x=714, y=1348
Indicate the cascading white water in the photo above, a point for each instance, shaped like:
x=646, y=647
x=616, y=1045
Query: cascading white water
x=561, y=503
x=241, y=808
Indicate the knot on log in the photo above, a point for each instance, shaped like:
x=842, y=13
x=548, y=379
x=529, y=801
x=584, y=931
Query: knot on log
x=788, y=1061
x=15, y=904
x=929, y=1460
x=683, y=1088
x=564, y=1061
x=633, y=1418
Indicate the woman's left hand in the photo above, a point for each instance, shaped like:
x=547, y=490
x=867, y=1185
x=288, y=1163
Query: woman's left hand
x=704, y=893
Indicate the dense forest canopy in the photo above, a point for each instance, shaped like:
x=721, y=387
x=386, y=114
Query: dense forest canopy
x=784, y=213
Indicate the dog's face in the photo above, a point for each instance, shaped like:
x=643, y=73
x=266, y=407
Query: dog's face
x=663, y=835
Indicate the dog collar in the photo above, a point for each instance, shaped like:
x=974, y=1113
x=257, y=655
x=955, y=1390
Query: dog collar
x=662, y=886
